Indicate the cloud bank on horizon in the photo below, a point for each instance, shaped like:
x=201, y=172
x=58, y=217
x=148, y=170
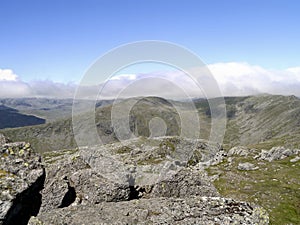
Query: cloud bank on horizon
x=233, y=78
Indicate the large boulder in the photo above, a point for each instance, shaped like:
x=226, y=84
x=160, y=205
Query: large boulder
x=21, y=179
x=125, y=171
x=196, y=210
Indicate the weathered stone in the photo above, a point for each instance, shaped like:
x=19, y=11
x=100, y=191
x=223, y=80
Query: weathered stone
x=92, y=188
x=238, y=151
x=247, y=166
x=196, y=210
x=3, y=139
x=140, y=181
x=120, y=172
x=60, y=165
x=187, y=182
x=276, y=153
x=296, y=159
x=21, y=179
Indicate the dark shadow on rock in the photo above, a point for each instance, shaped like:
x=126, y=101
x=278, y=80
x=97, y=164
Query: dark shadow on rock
x=136, y=192
x=69, y=197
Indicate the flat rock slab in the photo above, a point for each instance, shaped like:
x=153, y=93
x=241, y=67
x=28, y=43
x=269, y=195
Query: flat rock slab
x=197, y=210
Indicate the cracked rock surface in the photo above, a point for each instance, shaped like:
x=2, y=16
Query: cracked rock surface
x=139, y=181
x=21, y=179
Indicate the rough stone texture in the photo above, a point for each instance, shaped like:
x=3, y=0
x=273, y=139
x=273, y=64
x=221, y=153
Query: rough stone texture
x=3, y=139
x=92, y=188
x=186, y=183
x=239, y=151
x=146, y=161
x=120, y=172
x=196, y=210
x=71, y=180
x=21, y=178
x=247, y=166
x=214, y=160
x=140, y=181
x=59, y=166
x=276, y=153
x=296, y=159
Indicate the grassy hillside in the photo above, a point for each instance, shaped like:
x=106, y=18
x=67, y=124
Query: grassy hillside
x=274, y=186
x=264, y=121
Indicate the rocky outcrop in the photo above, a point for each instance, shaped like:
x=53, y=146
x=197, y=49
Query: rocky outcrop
x=196, y=210
x=140, y=181
x=120, y=172
x=239, y=151
x=21, y=179
x=276, y=153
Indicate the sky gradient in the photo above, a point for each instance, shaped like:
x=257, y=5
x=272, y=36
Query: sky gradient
x=58, y=40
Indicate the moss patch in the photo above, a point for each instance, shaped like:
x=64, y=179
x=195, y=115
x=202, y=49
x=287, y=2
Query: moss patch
x=275, y=186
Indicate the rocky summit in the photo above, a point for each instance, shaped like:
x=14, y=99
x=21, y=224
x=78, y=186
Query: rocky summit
x=140, y=181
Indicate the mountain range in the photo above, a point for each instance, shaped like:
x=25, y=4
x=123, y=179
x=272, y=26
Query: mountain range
x=261, y=121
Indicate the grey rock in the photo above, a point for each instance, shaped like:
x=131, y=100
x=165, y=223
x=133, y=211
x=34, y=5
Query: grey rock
x=276, y=153
x=196, y=210
x=140, y=181
x=143, y=162
x=3, y=139
x=21, y=179
x=247, y=166
x=92, y=188
x=187, y=182
x=296, y=159
x=71, y=179
x=214, y=160
x=120, y=172
x=238, y=151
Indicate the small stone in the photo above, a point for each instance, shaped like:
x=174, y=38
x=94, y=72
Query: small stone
x=247, y=166
x=296, y=159
x=27, y=146
x=21, y=152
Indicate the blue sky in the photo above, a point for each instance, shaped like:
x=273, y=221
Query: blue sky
x=250, y=46
x=59, y=39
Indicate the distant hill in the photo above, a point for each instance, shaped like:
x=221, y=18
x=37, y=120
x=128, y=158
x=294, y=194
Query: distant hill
x=59, y=134
x=49, y=109
x=258, y=121
x=10, y=118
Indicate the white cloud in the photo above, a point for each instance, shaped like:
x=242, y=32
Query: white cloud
x=47, y=88
x=11, y=86
x=245, y=79
x=295, y=70
x=7, y=75
x=124, y=76
x=14, y=89
x=233, y=78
